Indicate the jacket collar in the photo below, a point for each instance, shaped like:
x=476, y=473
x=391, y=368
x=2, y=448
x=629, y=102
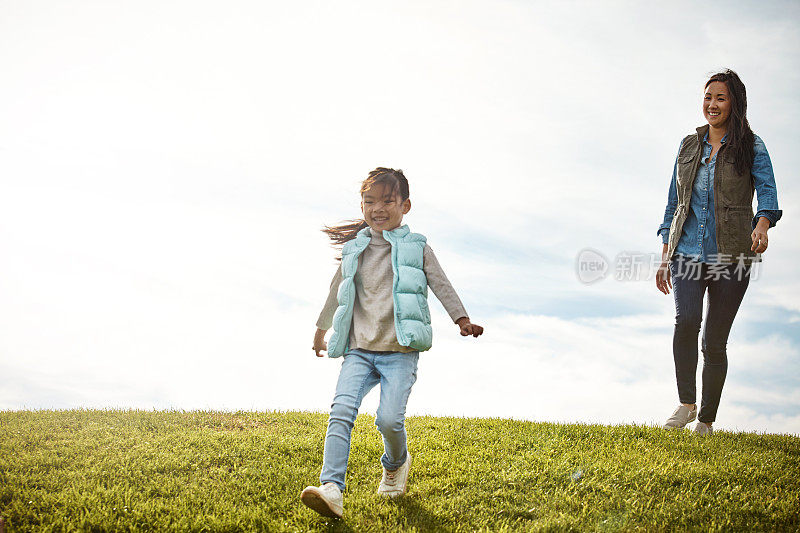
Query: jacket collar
x=396, y=233
x=702, y=134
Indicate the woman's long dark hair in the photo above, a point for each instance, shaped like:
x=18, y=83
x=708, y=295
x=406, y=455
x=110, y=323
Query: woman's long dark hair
x=397, y=183
x=740, y=136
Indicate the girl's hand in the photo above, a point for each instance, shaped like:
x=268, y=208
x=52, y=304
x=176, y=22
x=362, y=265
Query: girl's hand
x=759, y=236
x=663, y=278
x=468, y=328
x=319, y=342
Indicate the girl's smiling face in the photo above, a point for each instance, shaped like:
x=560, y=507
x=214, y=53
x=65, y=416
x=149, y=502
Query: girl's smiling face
x=717, y=104
x=383, y=208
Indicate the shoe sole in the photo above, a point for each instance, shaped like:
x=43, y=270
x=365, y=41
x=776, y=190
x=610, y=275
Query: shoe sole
x=315, y=501
x=393, y=494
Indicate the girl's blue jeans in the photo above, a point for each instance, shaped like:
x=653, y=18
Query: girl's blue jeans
x=361, y=371
x=725, y=286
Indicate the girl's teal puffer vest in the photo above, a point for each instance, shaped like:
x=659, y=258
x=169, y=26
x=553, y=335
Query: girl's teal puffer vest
x=412, y=318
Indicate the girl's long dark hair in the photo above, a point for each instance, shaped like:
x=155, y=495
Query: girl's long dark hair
x=397, y=183
x=740, y=136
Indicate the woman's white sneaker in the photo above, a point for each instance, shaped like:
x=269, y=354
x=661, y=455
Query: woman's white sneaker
x=702, y=429
x=326, y=499
x=682, y=416
x=394, y=482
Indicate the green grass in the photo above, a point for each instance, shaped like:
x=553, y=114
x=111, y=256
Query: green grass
x=207, y=471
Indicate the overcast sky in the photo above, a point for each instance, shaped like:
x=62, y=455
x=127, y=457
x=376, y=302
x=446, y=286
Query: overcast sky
x=165, y=169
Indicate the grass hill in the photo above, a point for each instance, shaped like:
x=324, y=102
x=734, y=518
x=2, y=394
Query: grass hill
x=208, y=471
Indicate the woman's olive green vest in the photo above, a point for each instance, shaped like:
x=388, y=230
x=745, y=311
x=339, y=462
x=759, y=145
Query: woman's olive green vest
x=733, y=201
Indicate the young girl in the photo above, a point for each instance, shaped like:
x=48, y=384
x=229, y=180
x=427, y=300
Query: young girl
x=379, y=311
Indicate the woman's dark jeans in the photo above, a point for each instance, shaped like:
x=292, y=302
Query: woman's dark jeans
x=726, y=285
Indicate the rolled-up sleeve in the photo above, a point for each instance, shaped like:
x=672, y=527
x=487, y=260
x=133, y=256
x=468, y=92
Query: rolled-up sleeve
x=764, y=183
x=672, y=201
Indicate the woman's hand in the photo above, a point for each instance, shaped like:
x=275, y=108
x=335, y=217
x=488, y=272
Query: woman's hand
x=319, y=342
x=759, y=235
x=468, y=328
x=663, y=276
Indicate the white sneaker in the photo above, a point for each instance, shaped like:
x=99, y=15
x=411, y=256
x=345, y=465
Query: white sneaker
x=326, y=499
x=682, y=416
x=393, y=482
x=702, y=429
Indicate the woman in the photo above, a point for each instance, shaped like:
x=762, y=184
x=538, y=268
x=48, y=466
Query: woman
x=711, y=239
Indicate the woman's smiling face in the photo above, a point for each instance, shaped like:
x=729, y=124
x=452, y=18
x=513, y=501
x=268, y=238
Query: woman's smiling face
x=383, y=208
x=717, y=104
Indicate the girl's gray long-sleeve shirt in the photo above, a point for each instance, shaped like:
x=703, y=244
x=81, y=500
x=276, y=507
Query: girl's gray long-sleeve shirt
x=373, y=312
